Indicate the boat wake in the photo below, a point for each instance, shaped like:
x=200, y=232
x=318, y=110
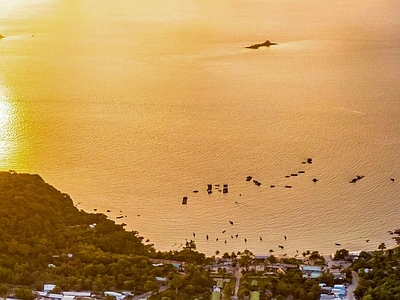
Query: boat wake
x=351, y=110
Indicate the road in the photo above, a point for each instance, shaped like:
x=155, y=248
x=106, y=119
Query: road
x=238, y=275
x=352, y=286
x=148, y=294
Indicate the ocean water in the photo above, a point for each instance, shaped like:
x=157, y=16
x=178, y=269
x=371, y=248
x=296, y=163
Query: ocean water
x=130, y=106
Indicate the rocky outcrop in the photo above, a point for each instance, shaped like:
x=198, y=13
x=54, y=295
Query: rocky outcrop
x=267, y=43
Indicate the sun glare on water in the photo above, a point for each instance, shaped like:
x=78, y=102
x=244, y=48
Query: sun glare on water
x=7, y=132
x=11, y=7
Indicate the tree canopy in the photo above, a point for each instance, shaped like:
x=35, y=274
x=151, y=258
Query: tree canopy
x=44, y=238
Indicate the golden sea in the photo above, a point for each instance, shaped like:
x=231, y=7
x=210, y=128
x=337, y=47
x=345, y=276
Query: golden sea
x=129, y=106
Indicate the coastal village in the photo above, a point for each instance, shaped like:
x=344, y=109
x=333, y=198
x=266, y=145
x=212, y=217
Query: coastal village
x=226, y=272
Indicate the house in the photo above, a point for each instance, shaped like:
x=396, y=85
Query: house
x=42, y=295
x=54, y=296
x=48, y=287
x=325, y=289
x=311, y=271
x=274, y=269
x=78, y=294
x=329, y=297
x=261, y=258
x=258, y=268
x=339, y=290
x=46, y=294
x=216, y=293
x=215, y=268
x=278, y=268
x=352, y=256
x=339, y=293
x=117, y=296
x=160, y=262
x=336, y=274
x=68, y=297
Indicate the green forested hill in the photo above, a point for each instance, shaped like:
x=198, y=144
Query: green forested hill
x=37, y=219
x=43, y=236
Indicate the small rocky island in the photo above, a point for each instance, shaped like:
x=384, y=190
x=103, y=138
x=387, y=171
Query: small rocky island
x=267, y=43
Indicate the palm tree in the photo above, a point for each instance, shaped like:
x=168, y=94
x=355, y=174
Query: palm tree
x=177, y=282
x=226, y=255
x=189, y=247
x=246, y=258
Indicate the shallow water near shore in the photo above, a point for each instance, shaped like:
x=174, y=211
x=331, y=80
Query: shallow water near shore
x=130, y=107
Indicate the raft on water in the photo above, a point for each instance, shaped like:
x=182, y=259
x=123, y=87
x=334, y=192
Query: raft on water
x=209, y=188
x=184, y=200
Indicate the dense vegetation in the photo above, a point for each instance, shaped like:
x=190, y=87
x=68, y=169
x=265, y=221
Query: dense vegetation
x=196, y=282
x=44, y=238
x=280, y=287
x=379, y=274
